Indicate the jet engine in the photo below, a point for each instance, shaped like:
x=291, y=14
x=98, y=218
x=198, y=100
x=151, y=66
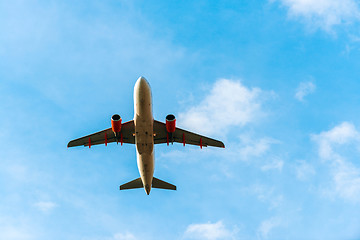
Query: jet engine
x=116, y=123
x=170, y=123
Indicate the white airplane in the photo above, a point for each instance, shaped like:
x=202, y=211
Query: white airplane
x=144, y=132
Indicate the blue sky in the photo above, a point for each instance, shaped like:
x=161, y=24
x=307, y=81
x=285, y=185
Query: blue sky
x=276, y=80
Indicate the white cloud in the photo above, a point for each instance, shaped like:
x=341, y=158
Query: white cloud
x=331, y=146
x=323, y=14
x=347, y=181
x=45, y=206
x=304, y=89
x=210, y=231
x=228, y=104
x=267, y=226
x=339, y=135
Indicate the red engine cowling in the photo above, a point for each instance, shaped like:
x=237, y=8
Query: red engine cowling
x=116, y=123
x=170, y=123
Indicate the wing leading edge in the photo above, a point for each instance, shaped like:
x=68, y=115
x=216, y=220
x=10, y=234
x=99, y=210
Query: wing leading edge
x=107, y=136
x=183, y=136
x=160, y=136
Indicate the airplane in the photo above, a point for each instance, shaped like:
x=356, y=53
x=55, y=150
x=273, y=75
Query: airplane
x=144, y=132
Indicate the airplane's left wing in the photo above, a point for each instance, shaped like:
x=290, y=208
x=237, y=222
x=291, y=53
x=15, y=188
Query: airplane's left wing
x=182, y=136
x=107, y=136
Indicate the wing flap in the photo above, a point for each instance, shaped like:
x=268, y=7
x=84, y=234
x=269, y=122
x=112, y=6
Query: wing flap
x=181, y=136
x=127, y=131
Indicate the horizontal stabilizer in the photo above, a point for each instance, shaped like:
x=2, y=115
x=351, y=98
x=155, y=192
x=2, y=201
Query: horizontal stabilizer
x=137, y=183
x=157, y=183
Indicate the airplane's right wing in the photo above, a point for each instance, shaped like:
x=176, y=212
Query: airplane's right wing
x=107, y=135
x=183, y=136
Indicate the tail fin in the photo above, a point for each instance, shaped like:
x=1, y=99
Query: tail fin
x=137, y=183
x=157, y=183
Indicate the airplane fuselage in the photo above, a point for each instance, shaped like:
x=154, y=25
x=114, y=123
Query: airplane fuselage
x=144, y=138
x=144, y=132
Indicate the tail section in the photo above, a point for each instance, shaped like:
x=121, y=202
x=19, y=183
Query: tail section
x=137, y=183
x=156, y=183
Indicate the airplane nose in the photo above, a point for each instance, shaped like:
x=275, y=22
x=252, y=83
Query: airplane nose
x=142, y=80
x=142, y=83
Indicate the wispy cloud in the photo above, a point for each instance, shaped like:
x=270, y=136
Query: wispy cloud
x=340, y=135
x=45, y=206
x=336, y=147
x=304, y=170
x=209, y=231
x=15, y=233
x=251, y=147
x=35, y=36
x=229, y=103
x=116, y=236
x=17, y=228
x=347, y=181
x=17, y=171
x=124, y=236
x=267, y=226
x=323, y=14
x=304, y=89
x=275, y=164
x=267, y=195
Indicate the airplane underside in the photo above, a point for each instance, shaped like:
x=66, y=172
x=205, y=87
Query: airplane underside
x=144, y=132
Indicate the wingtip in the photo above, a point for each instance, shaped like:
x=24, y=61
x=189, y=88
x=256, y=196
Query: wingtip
x=70, y=144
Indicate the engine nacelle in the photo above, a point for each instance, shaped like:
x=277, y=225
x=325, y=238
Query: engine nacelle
x=116, y=123
x=170, y=123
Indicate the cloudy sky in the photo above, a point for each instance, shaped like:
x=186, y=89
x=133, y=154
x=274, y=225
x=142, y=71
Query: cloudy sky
x=276, y=80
